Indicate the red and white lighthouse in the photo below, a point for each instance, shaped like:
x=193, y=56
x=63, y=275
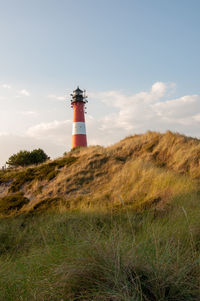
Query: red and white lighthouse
x=78, y=101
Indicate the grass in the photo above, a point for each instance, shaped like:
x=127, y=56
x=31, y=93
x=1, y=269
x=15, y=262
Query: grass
x=118, y=223
x=46, y=171
x=12, y=203
x=96, y=183
x=102, y=256
x=171, y=150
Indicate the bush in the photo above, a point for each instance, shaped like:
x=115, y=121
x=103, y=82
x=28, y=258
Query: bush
x=25, y=158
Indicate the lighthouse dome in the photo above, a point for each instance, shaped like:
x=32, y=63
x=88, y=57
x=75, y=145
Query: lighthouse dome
x=78, y=91
x=78, y=95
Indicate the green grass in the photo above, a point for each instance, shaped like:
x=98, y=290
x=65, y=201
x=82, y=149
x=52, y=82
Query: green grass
x=103, y=256
x=122, y=224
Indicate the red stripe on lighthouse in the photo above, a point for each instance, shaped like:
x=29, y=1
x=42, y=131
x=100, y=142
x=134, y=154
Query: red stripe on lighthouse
x=78, y=112
x=79, y=140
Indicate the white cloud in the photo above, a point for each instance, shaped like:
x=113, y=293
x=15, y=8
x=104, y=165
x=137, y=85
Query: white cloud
x=6, y=86
x=28, y=113
x=53, y=96
x=149, y=111
x=57, y=131
x=197, y=117
x=24, y=92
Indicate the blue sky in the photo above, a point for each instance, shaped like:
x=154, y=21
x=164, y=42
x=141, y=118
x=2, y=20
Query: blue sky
x=115, y=49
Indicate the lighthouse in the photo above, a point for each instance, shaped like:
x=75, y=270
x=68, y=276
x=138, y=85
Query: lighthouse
x=78, y=101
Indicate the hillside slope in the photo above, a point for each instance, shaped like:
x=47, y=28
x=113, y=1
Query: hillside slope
x=141, y=171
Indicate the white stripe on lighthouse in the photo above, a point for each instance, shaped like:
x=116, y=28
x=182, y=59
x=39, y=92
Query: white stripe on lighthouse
x=78, y=128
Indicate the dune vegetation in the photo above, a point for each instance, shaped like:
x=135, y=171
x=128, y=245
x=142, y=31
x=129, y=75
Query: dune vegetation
x=139, y=172
x=115, y=223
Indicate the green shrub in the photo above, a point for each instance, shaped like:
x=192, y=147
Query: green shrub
x=25, y=158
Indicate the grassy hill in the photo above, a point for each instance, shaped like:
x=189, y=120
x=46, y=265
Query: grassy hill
x=139, y=172
x=119, y=223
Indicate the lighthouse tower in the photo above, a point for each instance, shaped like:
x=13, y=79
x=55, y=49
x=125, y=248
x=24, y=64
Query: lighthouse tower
x=78, y=101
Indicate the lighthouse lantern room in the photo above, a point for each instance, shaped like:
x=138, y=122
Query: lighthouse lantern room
x=78, y=101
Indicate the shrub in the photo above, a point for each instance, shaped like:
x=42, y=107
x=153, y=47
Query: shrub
x=25, y=158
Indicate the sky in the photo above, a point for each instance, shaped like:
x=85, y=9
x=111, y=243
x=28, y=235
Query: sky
x=137, y=59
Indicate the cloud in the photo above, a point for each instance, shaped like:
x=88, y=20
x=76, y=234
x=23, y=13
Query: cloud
x=118, y=100
x=61, y=132
x=57, y=131
x=24, y=92
x=13, y=92
x=6, y=86
x=53, y=96
x=150, y=110
x=197, y=117
x=28, y=113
